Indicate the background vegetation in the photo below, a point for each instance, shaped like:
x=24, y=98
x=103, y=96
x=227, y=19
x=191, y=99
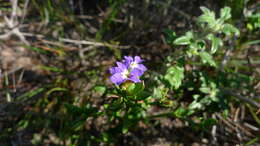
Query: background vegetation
x=201, y=87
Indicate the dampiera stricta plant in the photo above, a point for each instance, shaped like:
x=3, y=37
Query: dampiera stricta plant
x=129, y=69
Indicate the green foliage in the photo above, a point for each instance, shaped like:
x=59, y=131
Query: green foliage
x=174, y=76
x=207, y=58
x=196, y=42
x=216, y=42
x=225, y=13
x=237, y=7
x=253, y=21
x=203, y=43
x=100, y=89
x=170, y=36
x=214, y=25
x=184, y=40
x=209, y=94
x=79, y=108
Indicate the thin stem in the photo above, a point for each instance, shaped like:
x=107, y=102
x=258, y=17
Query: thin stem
x=253, y=114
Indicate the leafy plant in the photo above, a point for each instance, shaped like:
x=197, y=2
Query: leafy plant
x=203, y=43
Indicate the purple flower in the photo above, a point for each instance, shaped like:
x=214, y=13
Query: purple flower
x=135, y=64
x=130, y=69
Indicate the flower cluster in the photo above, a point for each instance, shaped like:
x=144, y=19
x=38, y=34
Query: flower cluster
x=130, y=69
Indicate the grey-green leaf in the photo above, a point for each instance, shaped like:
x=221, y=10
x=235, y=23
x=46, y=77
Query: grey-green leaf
x=225, y=13
x=207, y=58
x=184, y=40
x=174, y=76
x=215, y=42
x=229, y=29
x=205, y=10
x=207, y=16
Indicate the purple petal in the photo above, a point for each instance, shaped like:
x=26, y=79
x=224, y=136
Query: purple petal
x=112, y=70
x=135, y=78
x=141, y=67
x=120, y=73
x=121, y=66
x=136, y=72
x=138, y=59
x=117, y=78
x=128, y=60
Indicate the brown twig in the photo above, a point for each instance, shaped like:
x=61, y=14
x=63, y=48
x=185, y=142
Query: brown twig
x=233, y=125
x=92, y=43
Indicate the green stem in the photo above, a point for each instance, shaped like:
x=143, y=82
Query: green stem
x=252, y=141
x=253, y=114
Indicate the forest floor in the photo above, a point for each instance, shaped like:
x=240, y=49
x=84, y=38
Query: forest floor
x=33, y=55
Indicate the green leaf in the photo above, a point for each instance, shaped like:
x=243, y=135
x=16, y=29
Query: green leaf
x=56, y=89
x=195, y=105
x=160, y=92
x=207, y=58
x=207, y=16
x=100, y=89
x=132, y=88
x=181, y=112
x=174, y=76
x=205, y=90
x=215, y=42
x=207, y=123
x=229, y=29
x=253, y=21
x=30, y=94
x=184, y=40
x=206, y=11
x=170, y=36
x=225, y=13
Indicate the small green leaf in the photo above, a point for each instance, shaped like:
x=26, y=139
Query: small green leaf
x=215, y=42
x=181, y=112
x=174, y=76
x=30, y=94
x=184, y=40
x=205, y=90
x=207, y=58
x=195, y=105
x=160, y=92
x=105, y=136
x=225, y=13
x=100, y=89
x=201, y=44
x=206, y=11
x=206, y=123
x=56, y=89
x=125, y=130
x=133, y=88
x=229, y=29
x=207, y=16
x=170, y=36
